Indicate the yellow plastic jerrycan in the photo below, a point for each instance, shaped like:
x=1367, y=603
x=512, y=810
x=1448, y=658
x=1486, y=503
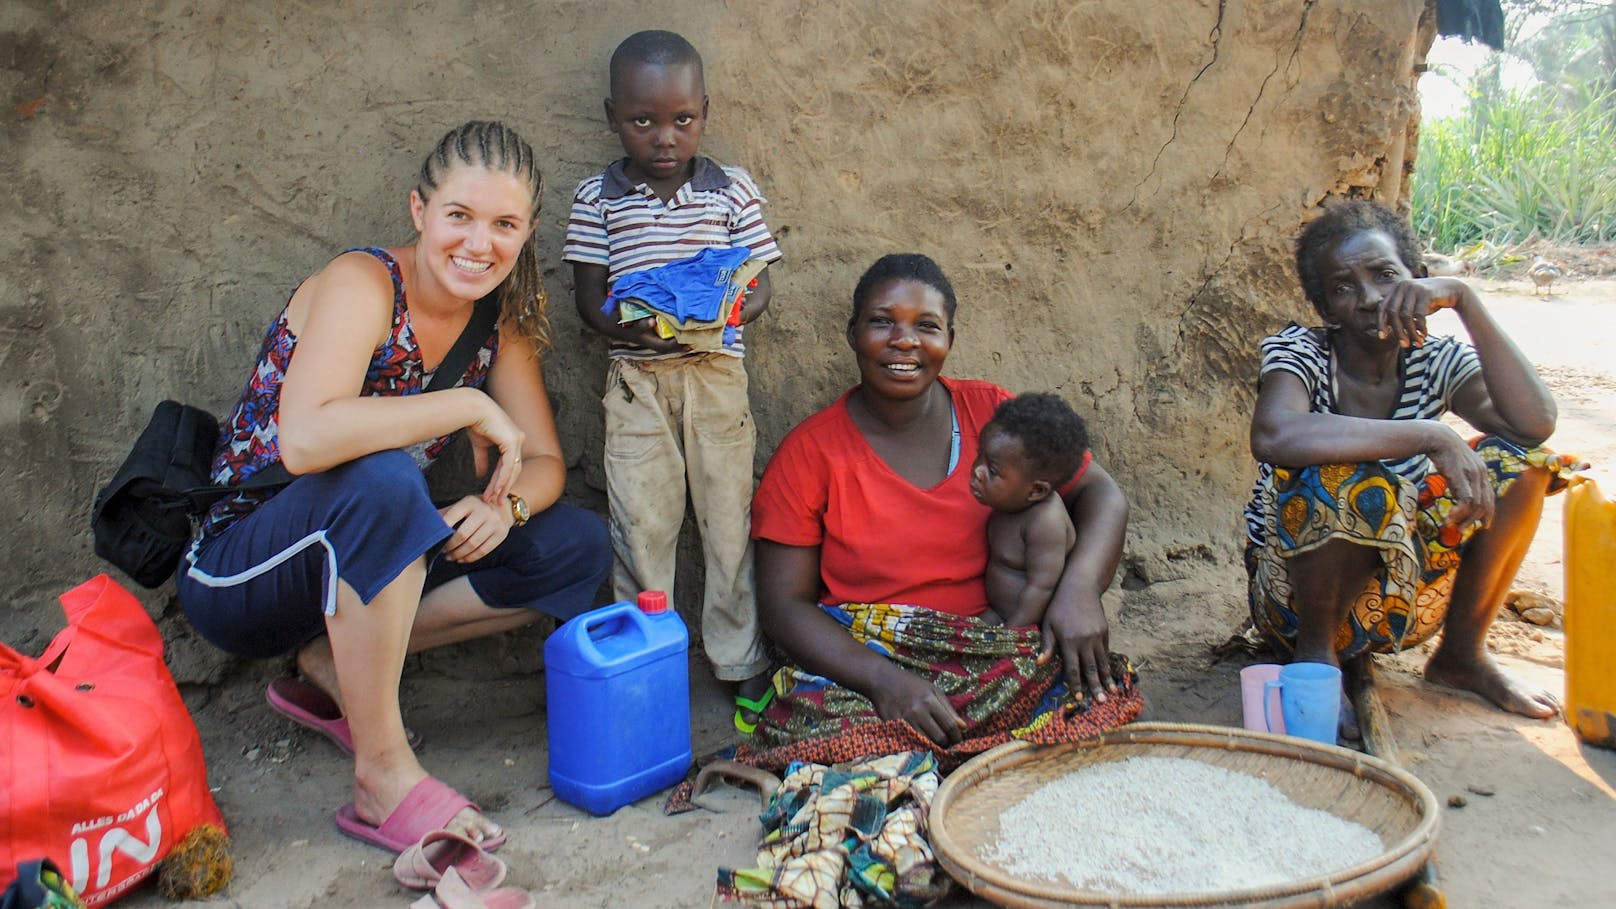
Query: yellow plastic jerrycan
x=1590, y=612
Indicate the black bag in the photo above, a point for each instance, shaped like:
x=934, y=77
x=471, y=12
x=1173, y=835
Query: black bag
x=141, y=521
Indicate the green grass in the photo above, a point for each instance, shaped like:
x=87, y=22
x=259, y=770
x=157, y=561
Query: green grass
x=1526, y=165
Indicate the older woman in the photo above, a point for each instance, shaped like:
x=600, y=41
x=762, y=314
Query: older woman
x=871, y=551
x=1373, y=523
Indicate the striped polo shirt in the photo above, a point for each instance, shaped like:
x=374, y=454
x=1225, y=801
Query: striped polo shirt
x=624, y=226
x=1431, y=374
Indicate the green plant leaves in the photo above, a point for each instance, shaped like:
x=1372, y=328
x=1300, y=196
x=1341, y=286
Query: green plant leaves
x=1516, y=166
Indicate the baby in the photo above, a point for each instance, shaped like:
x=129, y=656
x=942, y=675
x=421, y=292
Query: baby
x=1034, y=445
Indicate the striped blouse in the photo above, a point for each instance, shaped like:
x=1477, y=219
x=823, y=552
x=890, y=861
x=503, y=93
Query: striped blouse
x=1431, y=374
x=626, y=227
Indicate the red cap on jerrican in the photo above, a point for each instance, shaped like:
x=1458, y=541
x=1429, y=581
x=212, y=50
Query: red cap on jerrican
x=652, y=602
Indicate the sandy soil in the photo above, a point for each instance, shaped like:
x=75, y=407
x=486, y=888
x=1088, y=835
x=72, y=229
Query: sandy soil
x=1539, y=837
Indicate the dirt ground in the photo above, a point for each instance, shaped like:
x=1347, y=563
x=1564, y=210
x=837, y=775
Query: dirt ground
x=1538, y=837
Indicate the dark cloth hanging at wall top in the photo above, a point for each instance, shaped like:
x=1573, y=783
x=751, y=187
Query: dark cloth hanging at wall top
x=1472, y=20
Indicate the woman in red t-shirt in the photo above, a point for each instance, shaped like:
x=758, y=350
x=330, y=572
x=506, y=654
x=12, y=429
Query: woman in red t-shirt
x=871, y=551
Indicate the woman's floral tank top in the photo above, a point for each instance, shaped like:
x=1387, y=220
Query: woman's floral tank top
x=248, y=440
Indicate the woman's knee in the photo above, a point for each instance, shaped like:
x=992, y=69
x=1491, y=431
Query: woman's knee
x=1328, y=484
x=554, y=563
x=578, y=540
x=392, y=466
x=387, y=481
x=1534, y=481
x=1337, y=471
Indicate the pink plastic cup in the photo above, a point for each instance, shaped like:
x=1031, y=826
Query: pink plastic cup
x=1254, y=680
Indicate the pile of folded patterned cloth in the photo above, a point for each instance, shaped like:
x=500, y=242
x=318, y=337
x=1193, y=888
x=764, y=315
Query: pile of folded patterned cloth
x=695, y=301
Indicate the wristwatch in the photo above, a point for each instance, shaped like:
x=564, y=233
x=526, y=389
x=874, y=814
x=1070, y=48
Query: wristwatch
x=519, y=512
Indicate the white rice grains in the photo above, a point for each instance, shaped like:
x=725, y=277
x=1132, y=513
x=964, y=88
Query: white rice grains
x=1154, y=825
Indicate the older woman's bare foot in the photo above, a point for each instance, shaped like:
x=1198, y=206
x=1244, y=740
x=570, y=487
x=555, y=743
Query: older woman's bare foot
x=377, y=792
x=1483, y=676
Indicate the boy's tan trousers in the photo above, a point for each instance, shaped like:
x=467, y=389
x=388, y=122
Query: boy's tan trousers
x=669, y=423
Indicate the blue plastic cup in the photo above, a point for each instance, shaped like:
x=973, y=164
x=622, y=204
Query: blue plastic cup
x=1309, y=700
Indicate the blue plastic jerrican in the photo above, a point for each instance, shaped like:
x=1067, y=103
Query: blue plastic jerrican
x=618, y=704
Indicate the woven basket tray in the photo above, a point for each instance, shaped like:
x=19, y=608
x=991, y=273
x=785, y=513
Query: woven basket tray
x=1357, y=787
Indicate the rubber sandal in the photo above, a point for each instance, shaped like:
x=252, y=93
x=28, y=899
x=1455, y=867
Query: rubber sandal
x=427, y=807
x=754, y=706
x=314, y=710
x=424, y=864
x=453, y=893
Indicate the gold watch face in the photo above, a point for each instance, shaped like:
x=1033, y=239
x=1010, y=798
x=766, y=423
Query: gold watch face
x=518, y=509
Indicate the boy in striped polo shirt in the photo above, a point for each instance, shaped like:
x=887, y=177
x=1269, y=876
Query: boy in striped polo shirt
x=674, y=416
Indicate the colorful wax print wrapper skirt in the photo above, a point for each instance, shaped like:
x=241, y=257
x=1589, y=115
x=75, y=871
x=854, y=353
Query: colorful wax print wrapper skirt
x=989, y=673
x=847, y=836
x=1405, y=602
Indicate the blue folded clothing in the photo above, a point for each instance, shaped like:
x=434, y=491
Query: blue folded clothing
x=686, y=291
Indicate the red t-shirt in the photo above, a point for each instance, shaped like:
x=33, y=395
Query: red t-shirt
x=881, y=539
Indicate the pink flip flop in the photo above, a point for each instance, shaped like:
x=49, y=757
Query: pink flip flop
x=424, y=864
x=427, y=807
x=314, y=710
x=453, y=893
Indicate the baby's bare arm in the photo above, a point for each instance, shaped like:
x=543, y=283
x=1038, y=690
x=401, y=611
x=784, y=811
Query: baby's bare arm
x=1047, y=530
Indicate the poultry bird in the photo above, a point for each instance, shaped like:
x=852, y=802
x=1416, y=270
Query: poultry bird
x=1440, y=266
x=1543, y=274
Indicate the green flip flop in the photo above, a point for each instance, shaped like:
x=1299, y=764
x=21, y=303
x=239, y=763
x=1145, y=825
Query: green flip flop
x=754, y=706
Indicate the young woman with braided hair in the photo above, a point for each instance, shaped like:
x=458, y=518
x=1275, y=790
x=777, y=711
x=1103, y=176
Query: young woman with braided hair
x=352, y=565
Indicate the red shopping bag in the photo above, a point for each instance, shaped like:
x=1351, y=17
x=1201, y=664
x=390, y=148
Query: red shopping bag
x=101, y=769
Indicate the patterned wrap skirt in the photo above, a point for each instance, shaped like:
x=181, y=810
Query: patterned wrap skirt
x=989, y=673
x=1405, y=602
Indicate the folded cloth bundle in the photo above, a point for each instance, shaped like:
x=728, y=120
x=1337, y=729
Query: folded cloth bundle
x=851, y=834
x=692, y=299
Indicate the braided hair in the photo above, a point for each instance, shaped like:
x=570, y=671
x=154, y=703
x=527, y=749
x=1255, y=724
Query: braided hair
x=493, y=145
